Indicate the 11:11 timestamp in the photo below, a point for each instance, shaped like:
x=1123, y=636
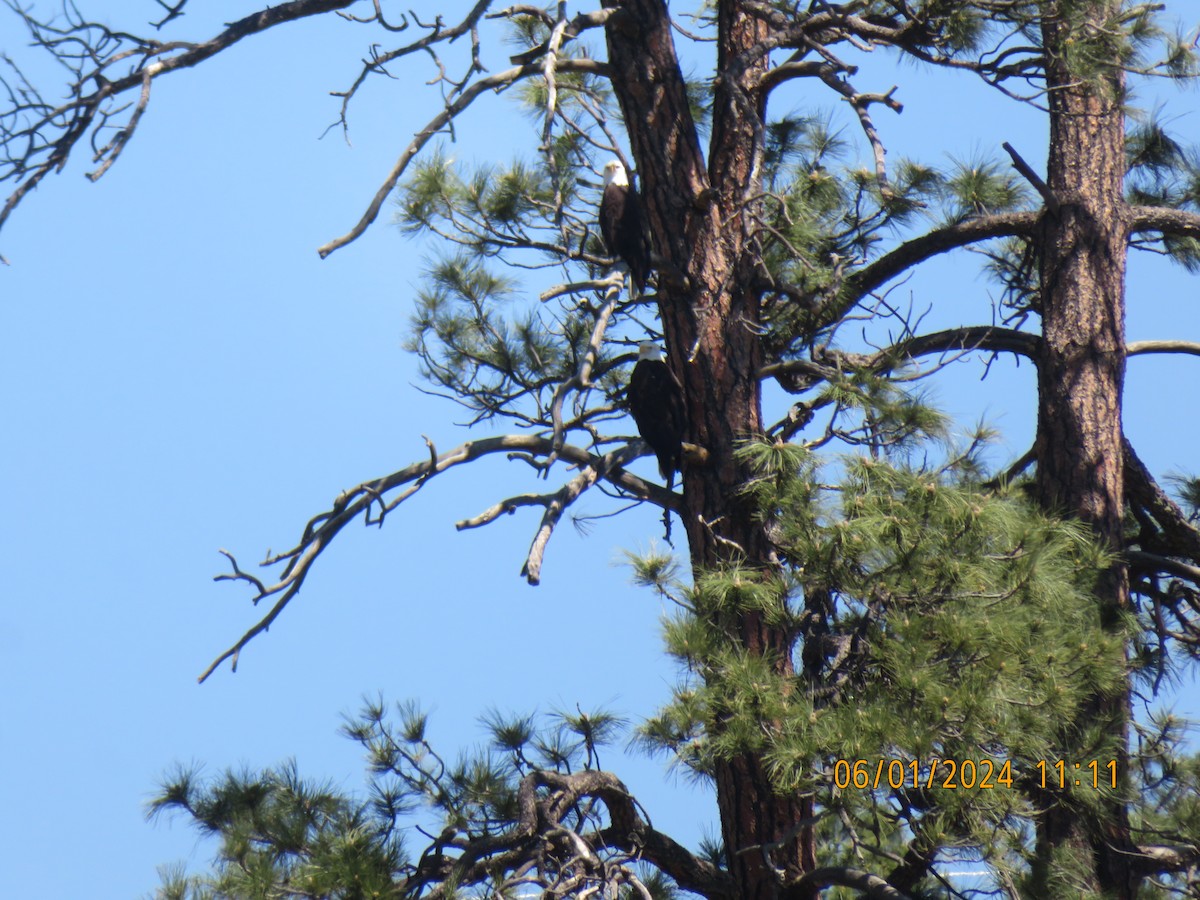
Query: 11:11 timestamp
x=1096, y=774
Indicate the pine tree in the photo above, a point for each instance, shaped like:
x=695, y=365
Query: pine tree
x=804, y=626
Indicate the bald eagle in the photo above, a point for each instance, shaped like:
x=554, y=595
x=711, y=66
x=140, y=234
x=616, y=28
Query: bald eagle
x=656, y=402
x=622, y=225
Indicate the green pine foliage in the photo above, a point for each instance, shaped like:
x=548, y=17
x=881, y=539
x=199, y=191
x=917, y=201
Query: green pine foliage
x=932, y=619
x=280, y=836
x=983, y=187
x=1164, y=171
x=1170, y=782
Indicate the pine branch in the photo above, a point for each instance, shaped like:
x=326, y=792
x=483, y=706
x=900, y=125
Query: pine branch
x=322, y=529
x=1139, y=348
x=1177, y=536
x=986, y=338
x=961, y=234
x=1162, y=859
x=842, y=876
x=1179, y=222
x=544, y=801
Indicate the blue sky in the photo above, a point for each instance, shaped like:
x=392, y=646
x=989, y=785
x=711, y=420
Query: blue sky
x=184, y=374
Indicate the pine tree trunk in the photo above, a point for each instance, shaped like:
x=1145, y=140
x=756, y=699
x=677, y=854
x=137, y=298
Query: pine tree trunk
x=1081, y=371
x=709, y=313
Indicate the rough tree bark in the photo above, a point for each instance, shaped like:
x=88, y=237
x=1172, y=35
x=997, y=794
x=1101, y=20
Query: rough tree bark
x=709, y=314
x=1083, y=238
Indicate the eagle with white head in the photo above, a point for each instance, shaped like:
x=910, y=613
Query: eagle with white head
x=622, y=224
x=657, y=405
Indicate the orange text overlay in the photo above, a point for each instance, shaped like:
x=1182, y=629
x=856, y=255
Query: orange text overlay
x=951, y=774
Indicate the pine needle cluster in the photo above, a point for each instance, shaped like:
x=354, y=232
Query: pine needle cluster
x=283, y=836
x=931, y=620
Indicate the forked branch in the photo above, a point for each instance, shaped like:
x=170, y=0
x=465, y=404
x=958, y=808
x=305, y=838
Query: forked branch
x=496, y=83
x=378, y=494
x=37, y=137
x=557, y=503
x=576, y=861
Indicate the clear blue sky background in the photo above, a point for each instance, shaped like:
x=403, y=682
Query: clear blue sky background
x=182, y=373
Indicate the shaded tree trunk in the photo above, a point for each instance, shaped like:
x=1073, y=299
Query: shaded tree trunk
x=709, y=313
x=1084, y=239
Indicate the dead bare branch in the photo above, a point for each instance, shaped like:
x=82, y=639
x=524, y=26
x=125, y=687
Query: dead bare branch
x=1032, y=177
x=1137, y=348
x=558, y=503
x=844, y=876
x=497, y=83
x=436, y=33
x=37, y=138
x=582, y=378
x=323, y=528
x=861, y=104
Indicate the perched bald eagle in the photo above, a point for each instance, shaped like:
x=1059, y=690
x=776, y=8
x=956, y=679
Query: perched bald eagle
x=656, y=402
x=622, y=224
